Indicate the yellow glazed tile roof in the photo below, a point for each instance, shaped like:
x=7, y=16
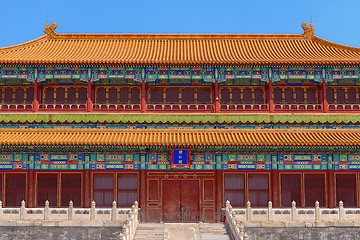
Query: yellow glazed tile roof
x=179, y=49
x=178, y=137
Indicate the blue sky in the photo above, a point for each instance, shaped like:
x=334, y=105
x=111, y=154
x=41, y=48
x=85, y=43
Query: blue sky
x=334, y=20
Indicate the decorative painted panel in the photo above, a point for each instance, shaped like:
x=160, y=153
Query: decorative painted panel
x=297, y=75
x=343, y=75
x=179, y=75
x=246, y=162
x=346, y=161
x=161, y=161
x=61, y=161
x=304, y=161
x=243, y=75
x=11, y=75
x=116, y=161
x=125, y=73
x=16, y=161
x=64, y=73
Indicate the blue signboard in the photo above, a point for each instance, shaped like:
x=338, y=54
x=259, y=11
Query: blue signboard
x=180, y=158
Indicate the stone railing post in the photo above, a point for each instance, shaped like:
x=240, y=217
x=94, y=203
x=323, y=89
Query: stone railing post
x=248, y=212
x=127, y=226
x=92, y=211
x=132, y=220
x=47, y=210
x=270, y=211
x=1, y=210
x=317, y=211
x=121, y=236
x=341, y=211
x=22, y=210
x=136, y=213
x=114, y=211
x=293, y=211
x=124, y=233
x=71, y=210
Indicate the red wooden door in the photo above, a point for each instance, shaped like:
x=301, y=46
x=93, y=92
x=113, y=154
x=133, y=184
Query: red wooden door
x=181, y=200
x=171, y=201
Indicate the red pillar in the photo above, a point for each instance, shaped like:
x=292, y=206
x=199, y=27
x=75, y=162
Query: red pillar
x=331, y=189
x=325, y=102
x=89, y=106
x=143, y=96
x=216, y=96
x=87, y=189
x=35, y=103
x=275, y=188
x=31, y=189
x=270, y=96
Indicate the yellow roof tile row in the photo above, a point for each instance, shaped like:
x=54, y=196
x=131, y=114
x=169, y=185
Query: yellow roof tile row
x=176, y=137
x=180, y=49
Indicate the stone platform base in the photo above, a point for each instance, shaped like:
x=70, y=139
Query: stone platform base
x=58, y=233
x=300, y=233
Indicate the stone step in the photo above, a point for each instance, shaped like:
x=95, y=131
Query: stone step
x=150, y=231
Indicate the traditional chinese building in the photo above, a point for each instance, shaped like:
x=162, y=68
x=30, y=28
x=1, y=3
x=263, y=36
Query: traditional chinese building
x=179, y=122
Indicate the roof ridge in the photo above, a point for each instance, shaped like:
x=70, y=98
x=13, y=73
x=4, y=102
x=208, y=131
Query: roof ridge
x=335, y=45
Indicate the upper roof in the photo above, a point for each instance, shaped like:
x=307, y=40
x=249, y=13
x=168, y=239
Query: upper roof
x=180, y=49
x=179, y=137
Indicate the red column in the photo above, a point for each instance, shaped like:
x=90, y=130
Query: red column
x=143, y=96
x=216, y=96
x=35, y=103
x=87, y=189
x=331, y=189
x=31, y=189
x=275, y=188
x=270, y=96
x=325, y=102
x=89, y=106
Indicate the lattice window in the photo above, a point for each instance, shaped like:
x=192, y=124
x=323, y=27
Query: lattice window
x=314, y=189
x=156, y=95
x=70, y=189
x=103, y=189
x=204, y=95
x=234, y=189
x=346, y=189
x=330, y=95
x=8, y=95
x=289, y=95
x=259, y=96
x=340, y=95
x=299, y=95
x=236, y=96
x=100, y=95
x=258, y=185
x=112, y=95
x=135, y=95
x=278, y=95
x=224, y=95
x=46, y=189
x=351, y=95
x=124, y=95
x=247, y=96
x=15, y=188
x=172, y=95
x=311, y=95
x=29, y=91
x=127, y=185
x=290, y=189
x=187, y=95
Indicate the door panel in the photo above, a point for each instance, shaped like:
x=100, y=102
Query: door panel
x=171, y=200
x=190, y=200
x=181, y=201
